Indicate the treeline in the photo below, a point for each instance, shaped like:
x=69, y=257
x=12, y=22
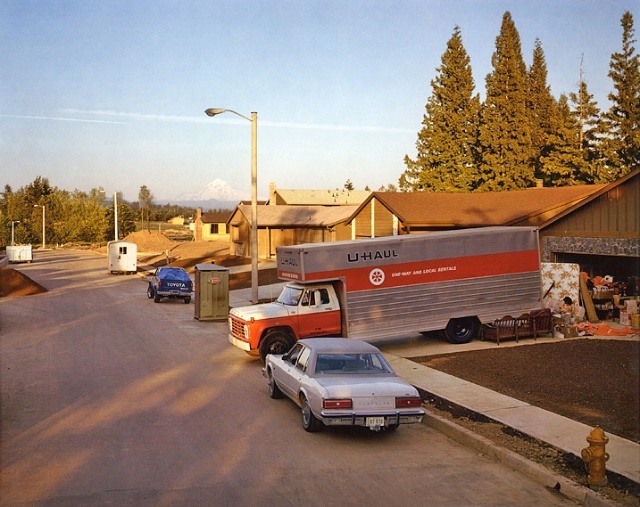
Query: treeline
x=76, y=217
x=521, y=133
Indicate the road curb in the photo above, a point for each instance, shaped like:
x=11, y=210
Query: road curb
x=537, y=472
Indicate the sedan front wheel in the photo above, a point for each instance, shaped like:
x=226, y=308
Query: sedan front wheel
x=274, y=390
x=310, y=422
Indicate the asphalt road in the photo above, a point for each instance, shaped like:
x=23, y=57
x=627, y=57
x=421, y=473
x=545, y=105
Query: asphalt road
x=110, y=399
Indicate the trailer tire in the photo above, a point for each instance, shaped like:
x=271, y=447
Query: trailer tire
x=461, y=330
x=277, y=342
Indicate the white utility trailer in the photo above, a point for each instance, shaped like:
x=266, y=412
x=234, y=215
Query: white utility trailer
x=19, y=253
x=122, y=257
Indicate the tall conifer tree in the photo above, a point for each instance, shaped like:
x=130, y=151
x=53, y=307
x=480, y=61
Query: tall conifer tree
x=586, y=115
x=542, y=110
x=563, y=163
x=505, y=130
x=446, y=144
x=623, y=119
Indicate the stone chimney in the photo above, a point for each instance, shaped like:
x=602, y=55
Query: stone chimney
x=198, y=225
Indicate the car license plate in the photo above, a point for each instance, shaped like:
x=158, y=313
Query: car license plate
x=373, y=422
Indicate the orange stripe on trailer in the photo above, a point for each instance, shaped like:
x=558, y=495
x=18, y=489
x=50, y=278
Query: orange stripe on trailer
x=412, y=273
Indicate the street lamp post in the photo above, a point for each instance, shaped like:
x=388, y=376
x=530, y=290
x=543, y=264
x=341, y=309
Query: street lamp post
x=115, y=212
x=254, y=194
x=43, y=222
x=13, y=222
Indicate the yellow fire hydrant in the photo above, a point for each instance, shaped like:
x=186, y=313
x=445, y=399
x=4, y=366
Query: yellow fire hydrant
x=595, y=458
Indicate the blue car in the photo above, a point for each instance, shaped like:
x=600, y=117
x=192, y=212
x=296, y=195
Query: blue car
x=169, y=282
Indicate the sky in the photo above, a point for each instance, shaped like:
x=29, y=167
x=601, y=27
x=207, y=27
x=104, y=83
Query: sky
x=112, y=93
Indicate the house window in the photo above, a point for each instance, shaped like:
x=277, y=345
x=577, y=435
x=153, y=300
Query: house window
x=214, y=228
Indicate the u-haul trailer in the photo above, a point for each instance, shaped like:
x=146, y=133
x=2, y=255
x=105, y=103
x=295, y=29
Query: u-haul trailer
x=395, y=286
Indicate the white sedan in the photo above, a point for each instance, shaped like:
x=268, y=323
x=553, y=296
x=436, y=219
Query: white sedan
x=337, y=381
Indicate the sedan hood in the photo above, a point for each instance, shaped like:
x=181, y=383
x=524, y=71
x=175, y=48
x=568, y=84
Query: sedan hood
x=258, y=312
x=352, y=386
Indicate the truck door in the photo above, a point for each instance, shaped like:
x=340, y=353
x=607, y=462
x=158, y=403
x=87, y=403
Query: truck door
x=318, y=315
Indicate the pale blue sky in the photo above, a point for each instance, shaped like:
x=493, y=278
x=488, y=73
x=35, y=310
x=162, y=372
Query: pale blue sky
x=112, y=93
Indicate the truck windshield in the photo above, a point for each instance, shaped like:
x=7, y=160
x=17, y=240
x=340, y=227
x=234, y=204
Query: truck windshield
x=290, y=296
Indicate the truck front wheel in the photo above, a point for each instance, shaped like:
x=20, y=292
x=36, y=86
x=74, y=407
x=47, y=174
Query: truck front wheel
x=277, y=342
x=461, y=330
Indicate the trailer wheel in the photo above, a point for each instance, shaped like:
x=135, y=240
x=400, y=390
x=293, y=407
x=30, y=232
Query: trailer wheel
x=461, y=330
x=277, y=342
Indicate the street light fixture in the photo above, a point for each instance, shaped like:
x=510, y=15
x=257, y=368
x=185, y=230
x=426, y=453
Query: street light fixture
x=13, y=222
x=254, y=194
x=43, y=222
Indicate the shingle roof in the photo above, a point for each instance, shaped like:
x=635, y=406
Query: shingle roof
x=530, y=206
x=219, y=217
x=299, y=216
x=322, y=197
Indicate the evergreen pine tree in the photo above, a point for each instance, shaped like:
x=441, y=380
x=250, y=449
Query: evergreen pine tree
x=586, y=115
x=563, y=164
x=623, y=119
x=541, y=106
x=505, y=129
x=446, y=160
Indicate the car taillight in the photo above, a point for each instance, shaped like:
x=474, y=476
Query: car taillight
x=346, y=403
x=408, y=402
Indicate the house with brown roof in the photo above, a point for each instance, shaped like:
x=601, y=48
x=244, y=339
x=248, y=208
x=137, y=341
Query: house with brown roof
x=596, y=226
x=211, y=226
x=393, y=213
x=287, y=225
x=601, y=232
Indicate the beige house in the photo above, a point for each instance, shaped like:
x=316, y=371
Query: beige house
x=176, y=221
x=211, y=226
x=287, y=197
x=287, y=225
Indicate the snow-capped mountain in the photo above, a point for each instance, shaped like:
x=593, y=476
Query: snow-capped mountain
x=217, y=190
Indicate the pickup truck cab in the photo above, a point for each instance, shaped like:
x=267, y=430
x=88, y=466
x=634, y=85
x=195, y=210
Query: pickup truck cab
x=169, y=282
x=301, y=311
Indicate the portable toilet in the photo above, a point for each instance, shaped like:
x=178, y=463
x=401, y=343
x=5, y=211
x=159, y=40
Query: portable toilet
x=122, y=257
x=211, y=292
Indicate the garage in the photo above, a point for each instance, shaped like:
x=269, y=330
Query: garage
x=601, y=234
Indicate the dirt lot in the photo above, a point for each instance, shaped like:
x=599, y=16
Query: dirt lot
x=595, y=381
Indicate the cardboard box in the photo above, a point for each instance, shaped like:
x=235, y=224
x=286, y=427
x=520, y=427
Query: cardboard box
x=569, y=331
x=624, y=316
x=602, y=294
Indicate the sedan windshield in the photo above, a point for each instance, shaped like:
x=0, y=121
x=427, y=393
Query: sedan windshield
x=358, y=364
x=290, y=296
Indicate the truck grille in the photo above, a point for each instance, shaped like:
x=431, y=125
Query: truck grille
x=236, y=326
